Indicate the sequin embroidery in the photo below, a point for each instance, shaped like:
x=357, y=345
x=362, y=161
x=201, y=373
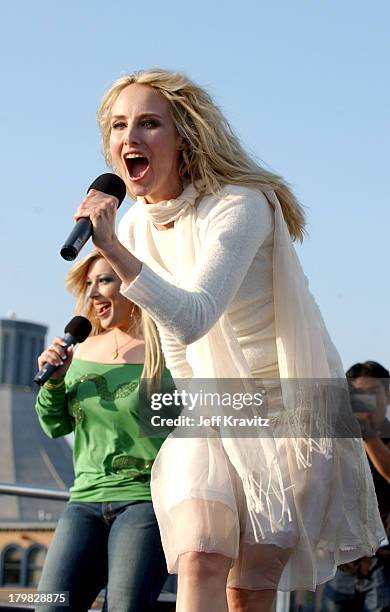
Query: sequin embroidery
x=121, y=391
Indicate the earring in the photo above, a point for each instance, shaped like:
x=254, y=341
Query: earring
x=133, y=322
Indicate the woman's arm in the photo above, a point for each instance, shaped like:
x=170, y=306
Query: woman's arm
x=174, y=354
x=101, y=209
x=379, y=453
x=52, y=409
x=52, y=403
x=236, y=228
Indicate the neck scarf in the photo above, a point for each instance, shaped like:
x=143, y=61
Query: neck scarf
x=163, y=213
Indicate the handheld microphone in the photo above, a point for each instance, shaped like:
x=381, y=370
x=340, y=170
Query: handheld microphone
x=109, y=183
x=77, y=330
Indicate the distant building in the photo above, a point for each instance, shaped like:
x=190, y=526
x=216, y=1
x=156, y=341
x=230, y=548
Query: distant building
x=27, y=456
x=20, y=344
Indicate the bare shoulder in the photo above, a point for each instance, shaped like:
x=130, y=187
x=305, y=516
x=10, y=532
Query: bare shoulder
x=87, y=347
x=135, y=354
x=104, y=349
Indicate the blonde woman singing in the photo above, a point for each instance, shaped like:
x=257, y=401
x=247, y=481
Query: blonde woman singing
x=108, y=534
x=207, y=251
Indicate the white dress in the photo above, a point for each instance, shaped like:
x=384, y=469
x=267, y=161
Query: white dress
x=197, y=493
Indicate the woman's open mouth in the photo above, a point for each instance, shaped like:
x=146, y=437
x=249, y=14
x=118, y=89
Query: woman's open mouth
x=102, y=309
x=137, y=166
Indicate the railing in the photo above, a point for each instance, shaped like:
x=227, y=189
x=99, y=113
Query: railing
x=282, y=603
x=9, y=488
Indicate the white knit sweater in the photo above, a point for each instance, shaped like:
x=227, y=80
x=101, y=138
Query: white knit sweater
x=233, y=267
x=233, y=275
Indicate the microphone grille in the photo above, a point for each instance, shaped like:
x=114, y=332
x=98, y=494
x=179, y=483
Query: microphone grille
x=111, y=184
x=79, y=328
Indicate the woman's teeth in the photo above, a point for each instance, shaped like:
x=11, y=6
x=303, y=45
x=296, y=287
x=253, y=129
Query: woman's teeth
x=137, y=166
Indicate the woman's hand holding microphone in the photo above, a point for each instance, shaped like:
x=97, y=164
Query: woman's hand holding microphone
x=57, y=355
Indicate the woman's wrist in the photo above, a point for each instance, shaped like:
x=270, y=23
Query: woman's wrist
x=369, y=432
x=109, y=247
x=122, y=261
x=55, y=384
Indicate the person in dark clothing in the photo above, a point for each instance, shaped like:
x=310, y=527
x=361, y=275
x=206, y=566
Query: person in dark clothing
x=364, y=585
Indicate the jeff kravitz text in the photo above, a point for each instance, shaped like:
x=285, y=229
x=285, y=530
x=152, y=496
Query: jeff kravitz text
x=212, y=421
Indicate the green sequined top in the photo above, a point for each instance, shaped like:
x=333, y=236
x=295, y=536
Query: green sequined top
x=100, y=404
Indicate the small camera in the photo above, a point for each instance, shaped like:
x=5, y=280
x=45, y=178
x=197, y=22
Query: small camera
x=362, y=402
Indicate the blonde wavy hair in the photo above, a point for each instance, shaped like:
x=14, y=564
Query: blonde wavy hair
x=141, y=325
x=212, y=155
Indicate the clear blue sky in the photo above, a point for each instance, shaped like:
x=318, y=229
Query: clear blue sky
x=304, y=83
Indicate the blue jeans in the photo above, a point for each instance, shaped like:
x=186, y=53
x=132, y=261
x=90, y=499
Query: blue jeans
x=111, y=544
x=348, y=593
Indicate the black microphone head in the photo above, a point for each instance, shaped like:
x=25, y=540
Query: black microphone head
x=111, y=184
x=79, y=328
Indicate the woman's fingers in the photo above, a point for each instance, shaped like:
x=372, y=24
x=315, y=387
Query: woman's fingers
x=57, y=355
x=101, y=209
x=58, y=347
x=52, y=356
x=97, y=204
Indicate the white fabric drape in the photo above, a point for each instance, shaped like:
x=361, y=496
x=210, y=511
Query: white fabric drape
x=305, y=353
